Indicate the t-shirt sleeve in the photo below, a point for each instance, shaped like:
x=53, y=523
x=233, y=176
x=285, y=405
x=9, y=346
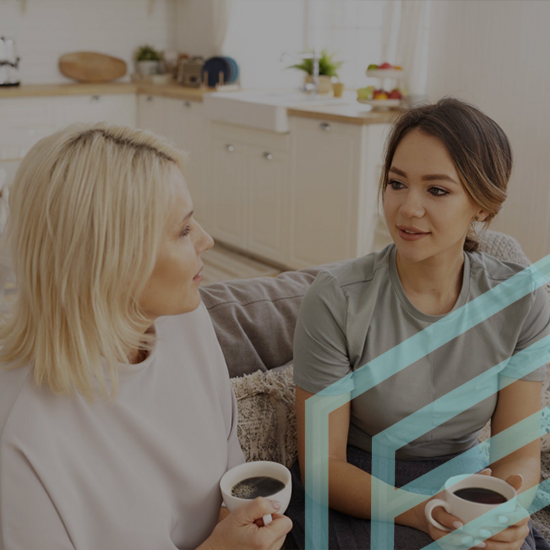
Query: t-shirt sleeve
x=320, y=348
x=28, y=517
x=235, y=454
x=535, y=327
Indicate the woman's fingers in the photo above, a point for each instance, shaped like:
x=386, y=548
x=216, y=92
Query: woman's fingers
x=446, y=519
x=515, y=480
x=258, y=508
x=514, y=533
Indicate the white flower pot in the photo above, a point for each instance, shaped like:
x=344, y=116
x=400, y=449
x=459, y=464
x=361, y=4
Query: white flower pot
x=147, y=68
x=325, y=83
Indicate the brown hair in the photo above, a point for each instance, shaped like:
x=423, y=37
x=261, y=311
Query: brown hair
x=478, y=146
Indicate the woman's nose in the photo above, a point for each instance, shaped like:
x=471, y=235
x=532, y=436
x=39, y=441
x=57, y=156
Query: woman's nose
x=412, y=206
x=206, y=242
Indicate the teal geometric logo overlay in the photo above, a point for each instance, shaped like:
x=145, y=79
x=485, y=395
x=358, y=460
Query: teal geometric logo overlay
x=387, y=502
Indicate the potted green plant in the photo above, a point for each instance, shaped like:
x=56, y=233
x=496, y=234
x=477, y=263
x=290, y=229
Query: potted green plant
x=328, y=69
x=147, y=61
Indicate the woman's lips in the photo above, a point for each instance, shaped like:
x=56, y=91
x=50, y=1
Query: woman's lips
x=198, y=276
x=411, y=236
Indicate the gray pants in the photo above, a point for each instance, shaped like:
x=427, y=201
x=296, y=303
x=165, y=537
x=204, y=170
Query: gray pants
x=349, y=533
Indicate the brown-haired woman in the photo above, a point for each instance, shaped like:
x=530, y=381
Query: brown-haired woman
x=446, y=170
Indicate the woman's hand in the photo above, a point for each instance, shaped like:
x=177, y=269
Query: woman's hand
x=446, y=519
x=244, y=529
x=511, y=538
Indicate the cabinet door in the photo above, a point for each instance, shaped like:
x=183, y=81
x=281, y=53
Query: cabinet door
x=25, y=120
x=187, y=128
x=152, y=114
x=228, y=176
x=114, y=109
x=268, y=202
x=326, y=162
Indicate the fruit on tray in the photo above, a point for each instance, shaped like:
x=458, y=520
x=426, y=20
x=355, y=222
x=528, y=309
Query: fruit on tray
x=380, y=94
x=385, y=65
x=397, y=68
x=396, y=94
x=372, y=67
x=365, y=93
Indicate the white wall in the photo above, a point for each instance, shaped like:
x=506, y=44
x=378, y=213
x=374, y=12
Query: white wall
x=259, y=32
x=194, y=27
x=495, y=55
x=49, y=29
x=352, y=29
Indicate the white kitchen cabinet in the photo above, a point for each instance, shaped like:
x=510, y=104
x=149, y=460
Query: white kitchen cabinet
x=335, y=170
x=249, y=178
x=114, y=109
x=187, y=128
x=268, y=202
x=152, y=114
x=182, y=122
x=25, y=120
x=229, y=210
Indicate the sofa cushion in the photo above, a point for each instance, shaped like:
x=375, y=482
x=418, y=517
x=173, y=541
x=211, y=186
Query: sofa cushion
x=254, y=319
x=267, y=420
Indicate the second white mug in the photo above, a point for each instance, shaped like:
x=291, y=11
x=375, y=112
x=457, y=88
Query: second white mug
x=257, y=469
x=466, y=510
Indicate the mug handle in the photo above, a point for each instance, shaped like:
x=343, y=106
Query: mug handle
x=429, y=509
x=268, y=518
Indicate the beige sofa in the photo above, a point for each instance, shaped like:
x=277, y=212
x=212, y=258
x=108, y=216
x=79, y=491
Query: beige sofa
x=254, y=320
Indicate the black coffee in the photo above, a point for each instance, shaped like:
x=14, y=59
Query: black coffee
x=481, y=496
x=253, y=487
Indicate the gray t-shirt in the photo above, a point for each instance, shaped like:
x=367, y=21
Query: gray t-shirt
x=357, y=311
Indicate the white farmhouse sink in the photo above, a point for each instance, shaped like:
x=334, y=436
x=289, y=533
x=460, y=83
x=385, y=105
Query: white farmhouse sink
x=264, y=109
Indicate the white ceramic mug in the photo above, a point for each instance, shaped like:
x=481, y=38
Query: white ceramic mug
x=255, y=469
x=467, y=510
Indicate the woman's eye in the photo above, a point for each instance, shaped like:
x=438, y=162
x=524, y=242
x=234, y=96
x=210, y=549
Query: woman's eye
x=438, y=192
x=394, y=184
x=185, y=231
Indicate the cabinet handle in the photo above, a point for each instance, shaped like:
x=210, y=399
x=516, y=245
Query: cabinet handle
x=95, y=99
x=268, y=156
x=230, y=148
x=149, y=98
x=325, y=126
x=187, y=104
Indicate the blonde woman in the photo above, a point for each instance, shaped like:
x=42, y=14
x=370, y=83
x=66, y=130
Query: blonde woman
x=117, y=418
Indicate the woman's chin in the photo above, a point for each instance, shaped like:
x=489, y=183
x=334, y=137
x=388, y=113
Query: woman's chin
x=409, y=254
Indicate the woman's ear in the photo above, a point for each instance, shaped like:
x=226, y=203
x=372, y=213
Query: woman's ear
x=481, y=216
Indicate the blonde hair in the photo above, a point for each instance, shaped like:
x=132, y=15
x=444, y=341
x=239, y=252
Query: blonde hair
x=87, y=212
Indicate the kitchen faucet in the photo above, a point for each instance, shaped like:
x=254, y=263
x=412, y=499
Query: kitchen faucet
x=312, y=87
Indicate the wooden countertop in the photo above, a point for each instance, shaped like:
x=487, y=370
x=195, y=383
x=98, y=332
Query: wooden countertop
x=165, y=90
x=352, y=113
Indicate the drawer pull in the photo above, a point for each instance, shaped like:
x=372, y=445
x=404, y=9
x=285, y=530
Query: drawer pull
x=149, y=98
x=187, y=104
x=268, y=156
x=95, y=99
x=230, y=148
x=325, y=126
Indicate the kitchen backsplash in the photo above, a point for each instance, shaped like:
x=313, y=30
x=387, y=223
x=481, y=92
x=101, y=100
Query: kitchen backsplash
x=48, y=29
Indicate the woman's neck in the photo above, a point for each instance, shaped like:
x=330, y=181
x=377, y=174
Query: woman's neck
x=432, y=285
x=139, y=355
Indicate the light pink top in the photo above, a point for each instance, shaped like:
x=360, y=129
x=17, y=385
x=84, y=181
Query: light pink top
x=141, y=473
